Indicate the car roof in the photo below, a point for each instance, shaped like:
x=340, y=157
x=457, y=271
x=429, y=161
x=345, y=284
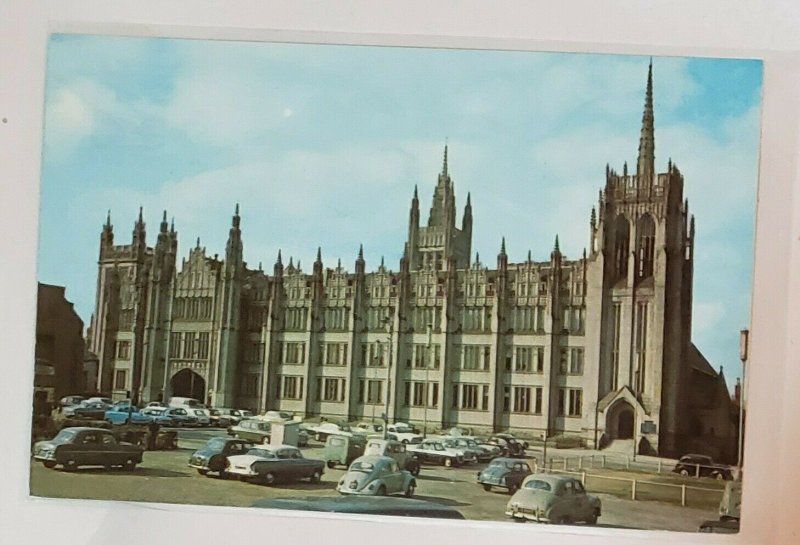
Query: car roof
x=550, y=478
x=274, y=448
x=85, y=428
x=512, y=460
x=392, y=506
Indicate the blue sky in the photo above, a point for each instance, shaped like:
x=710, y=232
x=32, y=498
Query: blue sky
x=322, y=146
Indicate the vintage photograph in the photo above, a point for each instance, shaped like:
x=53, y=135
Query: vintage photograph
x=506, y=286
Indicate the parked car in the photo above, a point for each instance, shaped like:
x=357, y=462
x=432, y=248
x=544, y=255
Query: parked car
x=156, y=404
x=404, y=433
x=434, y=452
x=376, y=476
x=104, y=400
x=343, y=449
x=388, y=505
x=213, y=457
x=369, y=428
x=508, y=444
x=185, y=403
x=729, y=511
x=472, y=453
x=458, y=432
x=69, y=401
x=181, y=417
x=268, y=464
x=504, y=473
x=702, y=466
x=158, y=415
x=203, y=416
x=94, y=410
x=323, y=430
x=256, y=431
x=230, y=417
x=396, y=450
x=122, y=414
x=277, y=416
x=558, y=499
x=84, y=446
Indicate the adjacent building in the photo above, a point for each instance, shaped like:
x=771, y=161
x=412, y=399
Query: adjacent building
x=598, y=346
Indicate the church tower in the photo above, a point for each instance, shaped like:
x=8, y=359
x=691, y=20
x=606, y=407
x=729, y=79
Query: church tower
x=440, y=242
x=642, y=244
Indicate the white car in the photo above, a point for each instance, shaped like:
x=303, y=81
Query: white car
x=322, y=431
x=432, y=451
x=267, y=464
x=276, y=416
x=203, y=416
x=404, y=433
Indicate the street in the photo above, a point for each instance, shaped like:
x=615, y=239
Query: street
x=164, y=477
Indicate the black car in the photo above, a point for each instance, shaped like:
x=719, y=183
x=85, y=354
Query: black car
x=94, y=410
x=700, y=465
x=381, y=505
x=504, y=473
x=720, y=527
x=213, y=457
x=509, y=444
x=83, y=446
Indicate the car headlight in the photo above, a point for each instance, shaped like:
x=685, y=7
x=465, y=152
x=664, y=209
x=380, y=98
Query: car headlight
x=502, y=480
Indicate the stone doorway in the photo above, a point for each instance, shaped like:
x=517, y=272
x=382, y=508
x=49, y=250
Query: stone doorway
x=187, y=383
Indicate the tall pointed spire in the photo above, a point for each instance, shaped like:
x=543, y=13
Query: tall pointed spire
x=164, y=224
x=280, y=261
x=108, y=218
x=319, y=254
x=645, y=166
x=444, y=162
x=555, y=247
x=503, y=246
x=360, y=251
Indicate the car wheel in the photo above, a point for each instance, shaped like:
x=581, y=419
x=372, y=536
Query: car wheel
x=331, y=464
x=592, y=520
x=202, y=471
x=564, y=519
x=684, y=472
x=381, y=491
x=130, y=464
x=519, y=519
x=415, y=469
x=513, y=488
x=448, y=462
x=411, y=488
x=405, y=441
x=269, y=478
x=265, y=440
x=487, y=487
x=49, y=464
x=70, y=465
x=316, y=477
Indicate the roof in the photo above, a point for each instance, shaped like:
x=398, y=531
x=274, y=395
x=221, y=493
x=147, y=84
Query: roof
x=373, y=459
x=273, y=448
x=699, y=362
x=550, y=478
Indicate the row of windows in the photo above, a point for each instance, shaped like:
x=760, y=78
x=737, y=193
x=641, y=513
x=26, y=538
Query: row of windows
x=416, y=394
x=189, y=345
x=334, y=354
x=525, y=399
x=336, y=319
x=192, y=308
x=476, y=319
x=289, y=387
x=295, y=319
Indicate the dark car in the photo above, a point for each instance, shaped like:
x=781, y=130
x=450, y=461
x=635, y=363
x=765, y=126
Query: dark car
x=720, y=527
x=267, y=464
x=504, y=473
x=700, y=465
x=213, y=457
x=94, y=410
x=508, y=444
x=362, y=505
x=75, y=447
x=180, y=417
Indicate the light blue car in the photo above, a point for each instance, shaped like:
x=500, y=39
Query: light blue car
x=121, y=414
x=376, y=476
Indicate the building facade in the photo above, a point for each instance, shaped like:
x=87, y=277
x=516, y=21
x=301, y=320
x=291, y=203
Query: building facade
x=597, y=347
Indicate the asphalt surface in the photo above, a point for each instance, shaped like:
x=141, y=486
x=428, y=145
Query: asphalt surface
x=164, y=477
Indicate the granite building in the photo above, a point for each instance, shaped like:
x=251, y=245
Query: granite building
x=597, y=347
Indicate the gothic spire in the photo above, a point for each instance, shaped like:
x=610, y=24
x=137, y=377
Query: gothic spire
x=555, y=247
x=444, y=162
x=319, y=254
x=503, y=246
x=108, y=218
x=164, y=224
x=361, y=252
x=645, y=166
x=279, y=262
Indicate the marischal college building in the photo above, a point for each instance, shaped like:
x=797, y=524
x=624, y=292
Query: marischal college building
x=597, y=347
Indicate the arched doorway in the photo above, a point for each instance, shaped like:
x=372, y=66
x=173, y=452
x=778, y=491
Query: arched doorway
x=187, y=383
x=625, y=424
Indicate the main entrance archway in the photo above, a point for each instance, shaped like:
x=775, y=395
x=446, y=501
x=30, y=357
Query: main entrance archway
x=620, y=421
x=187, y=383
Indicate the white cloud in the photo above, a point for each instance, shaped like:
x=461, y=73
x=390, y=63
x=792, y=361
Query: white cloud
x=68, y=121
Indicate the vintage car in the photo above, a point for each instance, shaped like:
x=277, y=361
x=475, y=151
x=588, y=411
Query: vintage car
x=93, y=410
x=343, y=449
x=203, y=415
x=70, y=401
x=699, y=465
x=213, y=457
x=180, y=417
x=432, y=451
x=558, y=499
x=267, y=464
x=387, y=505
x=123, y=414
x=396, y=450
x=369, y=428
x=83, y=446
x=504, y=473
x=256, y=431
x=376, y=476
x=508, y=444
x=277, y=416
x=323, y=430
x=471, y=451
x=404, y=433
x=158, y=415
x=225, y=417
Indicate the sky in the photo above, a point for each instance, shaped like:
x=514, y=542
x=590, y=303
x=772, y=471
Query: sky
x=322, y=145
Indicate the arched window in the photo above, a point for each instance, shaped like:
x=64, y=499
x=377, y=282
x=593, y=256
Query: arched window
x=645, y=244
x=621, y=245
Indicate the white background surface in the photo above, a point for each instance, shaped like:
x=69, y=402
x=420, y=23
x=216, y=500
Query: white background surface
x=767, y=29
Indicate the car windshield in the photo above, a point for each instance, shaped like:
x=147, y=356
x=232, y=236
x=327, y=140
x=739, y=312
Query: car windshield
x=262, y=453
x=246, y=414
x=538, y=485
x=498, y=462
x=64, y=435
x=364, y=467
x=415, y=440
x=402, y=428
x=216, y=443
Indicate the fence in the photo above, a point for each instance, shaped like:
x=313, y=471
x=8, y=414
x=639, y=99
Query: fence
x=628, y=463
x=638, y=489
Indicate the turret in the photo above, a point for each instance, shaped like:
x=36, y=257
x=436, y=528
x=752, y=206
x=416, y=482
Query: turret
x=360, y=265
x=278, y=269
x=139, y=234
x=502, y=258
x=233, y=249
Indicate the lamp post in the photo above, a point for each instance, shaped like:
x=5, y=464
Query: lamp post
x=427, y=393
x=744, y=341
x=388, y=378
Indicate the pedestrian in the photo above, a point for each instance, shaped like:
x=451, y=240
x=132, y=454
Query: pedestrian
x=152, y=437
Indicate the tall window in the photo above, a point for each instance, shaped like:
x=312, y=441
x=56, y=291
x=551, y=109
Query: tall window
x=569, y=401
x=175, y=344
x=292, y=387
x=123, y=350
x=476, y=319
x=202, y=345
x=336, y=319
x=476, y=357
x=621, y=245
x=641, y=345
x=576, y=361
x=120, y=379
x=188, y=344
x=617, y=321
x=332, y=389
x=537, y=406
x=294, y=353
x=469, y=396
x=296, y=318
x=375, y=391
x=645, y=246
x=335, y=353
x=524, y=359
x=522, y=400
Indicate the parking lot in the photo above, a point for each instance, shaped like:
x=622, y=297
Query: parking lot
x=164, y=477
